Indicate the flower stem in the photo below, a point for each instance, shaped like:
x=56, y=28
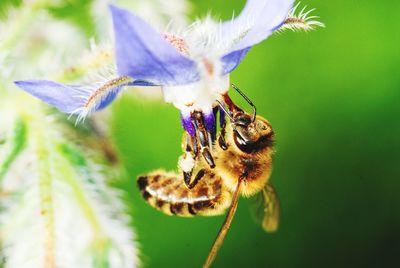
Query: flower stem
x=100, y=242
x=46, y=194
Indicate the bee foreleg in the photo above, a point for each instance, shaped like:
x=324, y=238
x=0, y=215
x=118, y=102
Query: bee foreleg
x=221, y=138
x=208, y=157
x=191, y=146
x=202, y=137
x=213, y=133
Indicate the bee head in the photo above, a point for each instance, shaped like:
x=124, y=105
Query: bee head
x=251, y=134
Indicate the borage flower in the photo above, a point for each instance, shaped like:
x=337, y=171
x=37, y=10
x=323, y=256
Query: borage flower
x=192, y=68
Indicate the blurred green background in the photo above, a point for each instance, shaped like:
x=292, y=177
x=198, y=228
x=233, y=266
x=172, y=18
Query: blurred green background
x=332, y=96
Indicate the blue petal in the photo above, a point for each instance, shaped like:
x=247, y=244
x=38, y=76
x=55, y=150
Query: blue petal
x=187, y=124
x=107, y=99
x=265, y=17
x=73, y=98
x=209, y=120
x=231, y=60
x=142, y=53
x=65, y=98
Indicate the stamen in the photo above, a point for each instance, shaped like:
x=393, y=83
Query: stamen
x=178, y=42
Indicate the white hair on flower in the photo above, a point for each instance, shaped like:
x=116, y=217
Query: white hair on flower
x=301, y=21
x=192, y=68
x=98, y=93
x=206, y=36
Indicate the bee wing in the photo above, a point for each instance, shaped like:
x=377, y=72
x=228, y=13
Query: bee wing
x=266, y=208
x=271, y=205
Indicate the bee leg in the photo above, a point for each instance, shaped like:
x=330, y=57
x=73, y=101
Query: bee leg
x=225, y=226
x=222, y=123
x=209, y=120
x=208, y=157
x=190, y=146
x=202, y=137
x=187, y=177
x=186, y=162
x=191, y=149
x=221, y=139
x=213, y=131
x=198, y=177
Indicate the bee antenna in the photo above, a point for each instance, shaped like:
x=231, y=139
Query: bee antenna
x=225, y=111
x=247, y=99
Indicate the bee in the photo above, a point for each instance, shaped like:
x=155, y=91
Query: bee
x=243, y=162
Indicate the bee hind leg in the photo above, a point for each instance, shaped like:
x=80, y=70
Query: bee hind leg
x=197, y=178
x=187, y=165
x=187, y=161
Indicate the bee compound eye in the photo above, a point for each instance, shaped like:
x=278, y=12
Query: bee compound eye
x=243, y=120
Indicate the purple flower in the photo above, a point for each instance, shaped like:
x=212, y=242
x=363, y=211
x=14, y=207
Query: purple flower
x=192, y=68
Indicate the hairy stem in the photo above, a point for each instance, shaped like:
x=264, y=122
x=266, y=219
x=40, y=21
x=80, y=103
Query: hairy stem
x=45, y=181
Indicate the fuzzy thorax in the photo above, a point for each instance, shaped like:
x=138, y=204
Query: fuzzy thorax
x=253, y=167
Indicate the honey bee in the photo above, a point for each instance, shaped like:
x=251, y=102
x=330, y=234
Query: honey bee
x=243, y=162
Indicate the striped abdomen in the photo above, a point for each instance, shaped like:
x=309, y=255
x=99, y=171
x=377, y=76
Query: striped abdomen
x=168, y=193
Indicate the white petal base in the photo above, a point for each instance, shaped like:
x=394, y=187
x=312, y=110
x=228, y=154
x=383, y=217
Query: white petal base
x=201, y=95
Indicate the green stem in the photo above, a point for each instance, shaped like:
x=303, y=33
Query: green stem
x=45, y=181
x=74, y=180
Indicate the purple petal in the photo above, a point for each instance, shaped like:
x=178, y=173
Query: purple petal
x=221, y=117
x=74, y=98
x=141, y=83
x=142, y=53
x=209, y=121
x=107, y=99
x=231, y=60
x=264, y=17
x=65, y=98
x=187, y=124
